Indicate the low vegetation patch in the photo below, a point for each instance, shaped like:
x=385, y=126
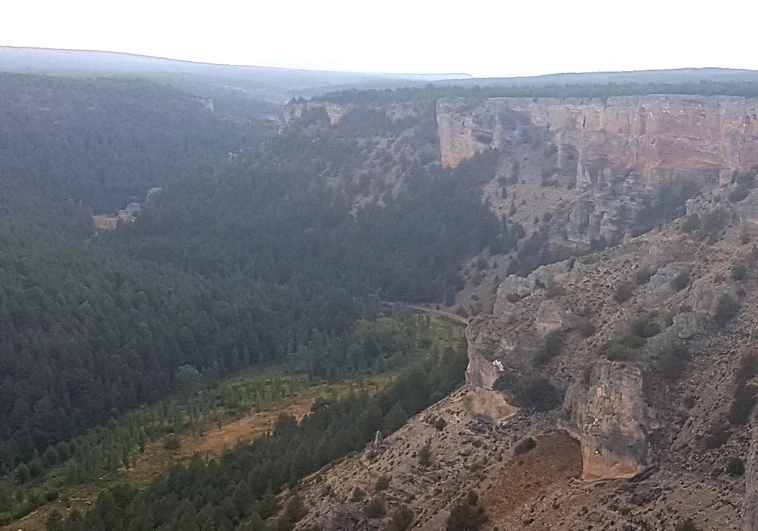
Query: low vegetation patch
x=645, y=327
x=673, y=360
x=623, y=292
x=735, y=467
x=587, y=329
x=716, y=436
x=623, y=348
x=745, y=393
x=467, y=514
x=525, y=445
x=551, y=349
x=686, y=525
x=680, y=281
x=375, y=508
x=726, y=309
x=738, y=272
x=642, y=275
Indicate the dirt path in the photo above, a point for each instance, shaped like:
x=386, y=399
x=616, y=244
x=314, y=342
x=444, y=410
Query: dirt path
x=432, y=311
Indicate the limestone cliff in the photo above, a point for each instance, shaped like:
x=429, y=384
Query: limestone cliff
x=654, y=136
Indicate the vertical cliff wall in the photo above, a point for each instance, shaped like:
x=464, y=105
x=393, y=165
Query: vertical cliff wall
x=656, y=136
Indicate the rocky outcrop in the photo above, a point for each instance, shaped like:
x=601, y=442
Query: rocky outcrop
x=607, y=413
x=296, y=111
x=654, y=136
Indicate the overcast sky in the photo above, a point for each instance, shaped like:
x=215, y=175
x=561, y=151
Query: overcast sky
x=482, y=38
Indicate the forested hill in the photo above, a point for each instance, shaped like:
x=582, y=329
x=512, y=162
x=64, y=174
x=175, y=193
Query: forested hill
x=234, y=264
x=85, y=337
x=76, y=146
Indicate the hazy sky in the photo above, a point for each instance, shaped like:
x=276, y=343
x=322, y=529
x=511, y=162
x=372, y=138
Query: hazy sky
x=483, y=38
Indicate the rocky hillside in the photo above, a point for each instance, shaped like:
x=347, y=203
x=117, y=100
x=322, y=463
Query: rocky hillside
x=612, y=389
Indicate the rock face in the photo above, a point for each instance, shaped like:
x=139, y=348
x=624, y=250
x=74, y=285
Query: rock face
x=655, y=136
x=608, y=414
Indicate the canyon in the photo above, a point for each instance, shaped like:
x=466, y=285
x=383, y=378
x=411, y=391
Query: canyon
x=642, y=381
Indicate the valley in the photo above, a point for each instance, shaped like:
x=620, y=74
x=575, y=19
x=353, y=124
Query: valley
x=515, y=306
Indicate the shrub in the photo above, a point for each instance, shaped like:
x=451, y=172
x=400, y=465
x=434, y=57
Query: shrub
x=739, y=271
x=382, y=483
x=513, y=297
x=623, y=292
x=22, y=473
x=614, y=351
x=541, y=395
x=642, y=275
x=425, y=455
x=681, y=280
x=36, y=469
x=554, y=290
x=375, y=508
x=691, y=223
x=645, y=328
x=686, y=525
x=738, y=194
x=716, y=436
x=357, y=494
x=713, y=223
x=172, y=442
x=551, y=349
x=726, y=309
x=673, y=361
x=735, y=467
x=746, y=179
x=402, y=519
x=587, y=329
x=51, y=495
x=525, y=445
x=598, y=244
x=440, y=424
x=467, y=514
x=743, y=404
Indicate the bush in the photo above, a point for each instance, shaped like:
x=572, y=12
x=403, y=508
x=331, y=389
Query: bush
x=681, y=280
x=36, y=469
x=713, y=223
x=554, y=290
x=645, y=328
x=467, y=515
x=691, y=223
x=623, y=292
x=402, y=519
x=552, y=348
x=172, y=442
x=425, y=455
x=541, y=395
x=524, y=445
x=739, y=271
x=743, y=404
x=51, y=495
x=735, y=467
x=686, y=525
x=382, y=483
x=22, y=473
x=716, y=436
x=642, y=275
x=726, y=309
x=587, y=329
x=614, y=351
x=673, y=361
x=375, y=508
x=622, y=349
x=440, y=424
x=738, y=194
